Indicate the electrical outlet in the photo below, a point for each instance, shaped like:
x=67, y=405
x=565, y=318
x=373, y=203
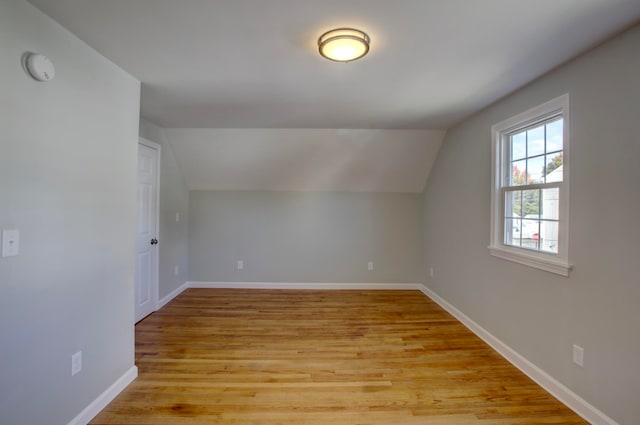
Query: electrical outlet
x=578, y=355
x=240, y=264
x=176, y=270
x=10, y=243
x=370, y=265
x=76, y=363
x=177, y=217
x=431, y=272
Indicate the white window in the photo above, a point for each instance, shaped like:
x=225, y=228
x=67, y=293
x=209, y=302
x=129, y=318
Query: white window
x=530, y=187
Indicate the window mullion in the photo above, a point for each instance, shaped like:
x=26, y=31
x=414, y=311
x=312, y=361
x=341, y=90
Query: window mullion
x=534, y=186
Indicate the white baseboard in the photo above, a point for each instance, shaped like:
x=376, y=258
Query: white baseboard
x=105, y=398
x=306, y=285
x=165, y=300
x=546, y=381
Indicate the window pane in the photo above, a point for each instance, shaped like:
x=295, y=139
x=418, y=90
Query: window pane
x=535, y=170
x=518, y=146
x=530, y=233
x=550, y=203
x=554, y=135
x=554, y=169
x=513, y=204
x=530, y=228
x=518, y=173
x=512, y=232
x=531, y=203
x=535, y=141
x=549, y=236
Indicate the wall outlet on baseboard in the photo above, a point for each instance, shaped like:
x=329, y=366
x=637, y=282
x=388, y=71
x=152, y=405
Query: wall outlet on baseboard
x=76, y=363
x=578, y=355
x=240, y=264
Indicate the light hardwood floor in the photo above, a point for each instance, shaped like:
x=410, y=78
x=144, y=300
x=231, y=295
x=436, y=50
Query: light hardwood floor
x=224, y=356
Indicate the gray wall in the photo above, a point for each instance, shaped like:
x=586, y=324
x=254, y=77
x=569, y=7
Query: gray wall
x=539, y=314
x=174, y=198
x=305, y=236
x=67, y=182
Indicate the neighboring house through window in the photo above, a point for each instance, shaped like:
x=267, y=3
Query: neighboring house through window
x=530, y=196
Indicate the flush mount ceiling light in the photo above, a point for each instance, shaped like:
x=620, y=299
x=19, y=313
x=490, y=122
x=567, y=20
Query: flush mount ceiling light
x=343, y=44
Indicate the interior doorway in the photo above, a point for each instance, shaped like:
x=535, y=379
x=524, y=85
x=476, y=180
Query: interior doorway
x=147, y=237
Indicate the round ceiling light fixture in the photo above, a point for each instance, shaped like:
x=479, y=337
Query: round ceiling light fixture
x=343, y=44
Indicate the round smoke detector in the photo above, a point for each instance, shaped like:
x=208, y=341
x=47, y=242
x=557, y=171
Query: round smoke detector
x=40, y=67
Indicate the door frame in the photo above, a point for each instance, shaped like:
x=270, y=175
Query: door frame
x=155, y=290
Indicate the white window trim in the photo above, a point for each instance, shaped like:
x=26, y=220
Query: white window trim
x=554, y=263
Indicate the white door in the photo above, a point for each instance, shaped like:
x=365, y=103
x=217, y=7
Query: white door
x=146, y=278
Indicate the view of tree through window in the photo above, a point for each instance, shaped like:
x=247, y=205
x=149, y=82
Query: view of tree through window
x=531, y=194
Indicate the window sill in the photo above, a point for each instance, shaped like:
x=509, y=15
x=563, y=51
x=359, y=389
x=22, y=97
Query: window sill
x=552, y=265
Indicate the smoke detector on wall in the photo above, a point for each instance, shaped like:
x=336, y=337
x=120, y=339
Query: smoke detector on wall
x=40, y=67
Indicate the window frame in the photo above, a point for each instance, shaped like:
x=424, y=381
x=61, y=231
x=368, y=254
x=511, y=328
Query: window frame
x=551, y=262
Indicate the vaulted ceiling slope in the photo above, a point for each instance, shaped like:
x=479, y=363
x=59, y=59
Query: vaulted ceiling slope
x=306, y=159
x=249, y=104
x=254, y=63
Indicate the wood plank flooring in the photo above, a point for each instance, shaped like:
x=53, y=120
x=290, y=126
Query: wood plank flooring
x=231, y=356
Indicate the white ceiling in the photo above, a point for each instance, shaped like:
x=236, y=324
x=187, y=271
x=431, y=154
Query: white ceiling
x=249, y=104
x=254, y=63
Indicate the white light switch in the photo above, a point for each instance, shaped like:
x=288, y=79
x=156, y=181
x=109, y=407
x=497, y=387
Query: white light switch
x=578, y=355
x=76, y=363
x=10, y=243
